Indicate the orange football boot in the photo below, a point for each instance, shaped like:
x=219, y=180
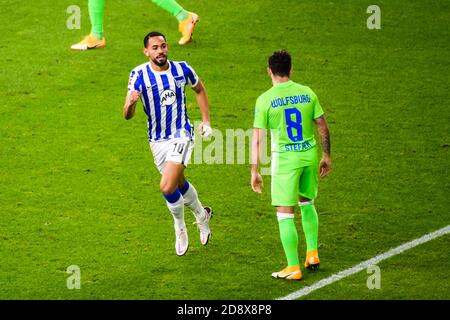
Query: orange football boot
x=312, y=260
x=289, y=273
x=186, y=27
x=89, y=42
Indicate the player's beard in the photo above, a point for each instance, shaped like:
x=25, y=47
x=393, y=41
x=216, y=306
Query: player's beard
x=161, y=60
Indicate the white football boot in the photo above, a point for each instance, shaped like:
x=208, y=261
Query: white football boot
x=182, y=241
x=205, y=231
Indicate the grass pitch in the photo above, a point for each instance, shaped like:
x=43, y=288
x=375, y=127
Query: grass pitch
x=78, y=185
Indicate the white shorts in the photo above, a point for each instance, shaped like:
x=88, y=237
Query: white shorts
x=177, y=150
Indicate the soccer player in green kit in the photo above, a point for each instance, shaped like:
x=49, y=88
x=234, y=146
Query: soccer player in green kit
x=96, y=39
x=290, y=110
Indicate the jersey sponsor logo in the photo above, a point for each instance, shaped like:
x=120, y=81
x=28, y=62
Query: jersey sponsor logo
x=168, y=97
x=284, y=101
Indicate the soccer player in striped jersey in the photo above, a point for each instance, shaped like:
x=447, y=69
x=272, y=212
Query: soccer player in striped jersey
x=160, y=85
x=96, y=39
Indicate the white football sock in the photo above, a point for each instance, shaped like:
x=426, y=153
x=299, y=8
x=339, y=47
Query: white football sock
x=191, y=200
x=177, y=211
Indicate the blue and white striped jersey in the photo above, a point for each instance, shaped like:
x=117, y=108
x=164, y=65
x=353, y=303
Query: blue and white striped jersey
x=164, y=99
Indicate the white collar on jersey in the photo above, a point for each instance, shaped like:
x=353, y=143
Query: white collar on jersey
x=165, y=71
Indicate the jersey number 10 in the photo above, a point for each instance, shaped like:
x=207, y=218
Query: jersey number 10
x=295, y=123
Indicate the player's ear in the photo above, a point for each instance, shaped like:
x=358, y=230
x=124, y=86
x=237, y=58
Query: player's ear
x=146, y=53
x=269, y=72
x=290, y=72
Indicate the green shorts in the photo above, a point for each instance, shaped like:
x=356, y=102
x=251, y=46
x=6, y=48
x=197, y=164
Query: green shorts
x=294, y=174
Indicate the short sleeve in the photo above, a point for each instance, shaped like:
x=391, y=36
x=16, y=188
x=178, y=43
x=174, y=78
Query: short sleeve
x=134, y=82
x=317, y=107
x=189, y=73
x=260, y=120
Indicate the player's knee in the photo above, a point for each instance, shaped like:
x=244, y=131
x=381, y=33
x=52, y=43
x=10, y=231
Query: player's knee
x=167, y=188
x=304, y=199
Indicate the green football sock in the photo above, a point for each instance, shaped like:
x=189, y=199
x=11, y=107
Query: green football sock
x=289, y=239
x=183, y=15
x=173, y=8
x=310, y=222
x=96, y=13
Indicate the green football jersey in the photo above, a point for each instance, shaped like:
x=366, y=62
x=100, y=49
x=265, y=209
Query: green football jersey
x=288, y=109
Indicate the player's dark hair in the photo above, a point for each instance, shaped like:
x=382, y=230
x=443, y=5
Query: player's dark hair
x=153, y=34
x=280, y=63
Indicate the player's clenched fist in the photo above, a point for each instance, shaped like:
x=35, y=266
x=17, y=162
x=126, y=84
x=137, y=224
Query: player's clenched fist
x=205, y=129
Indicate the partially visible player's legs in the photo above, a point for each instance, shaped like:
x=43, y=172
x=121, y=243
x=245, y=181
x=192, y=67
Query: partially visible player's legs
x=191, y=199
x=95, y=39
x=173, y=8
x=284, y=185
x=96, y=15
x=186, y=19
x=175, y=202
x=202, y=214
x=289, y=240
x=310, y=220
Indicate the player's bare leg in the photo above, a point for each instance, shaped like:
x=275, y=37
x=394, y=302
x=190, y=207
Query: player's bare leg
x=169, y=187
x=289, y=239
x=285, y=209
x=310, y=223
x=170, y=177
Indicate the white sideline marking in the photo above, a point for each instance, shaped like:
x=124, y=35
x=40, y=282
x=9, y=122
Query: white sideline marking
x=366, y=264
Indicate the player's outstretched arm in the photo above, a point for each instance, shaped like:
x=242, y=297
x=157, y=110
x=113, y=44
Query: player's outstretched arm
x=202, y=99
x=324, y=133
x=130, y=104
x=256, y=181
